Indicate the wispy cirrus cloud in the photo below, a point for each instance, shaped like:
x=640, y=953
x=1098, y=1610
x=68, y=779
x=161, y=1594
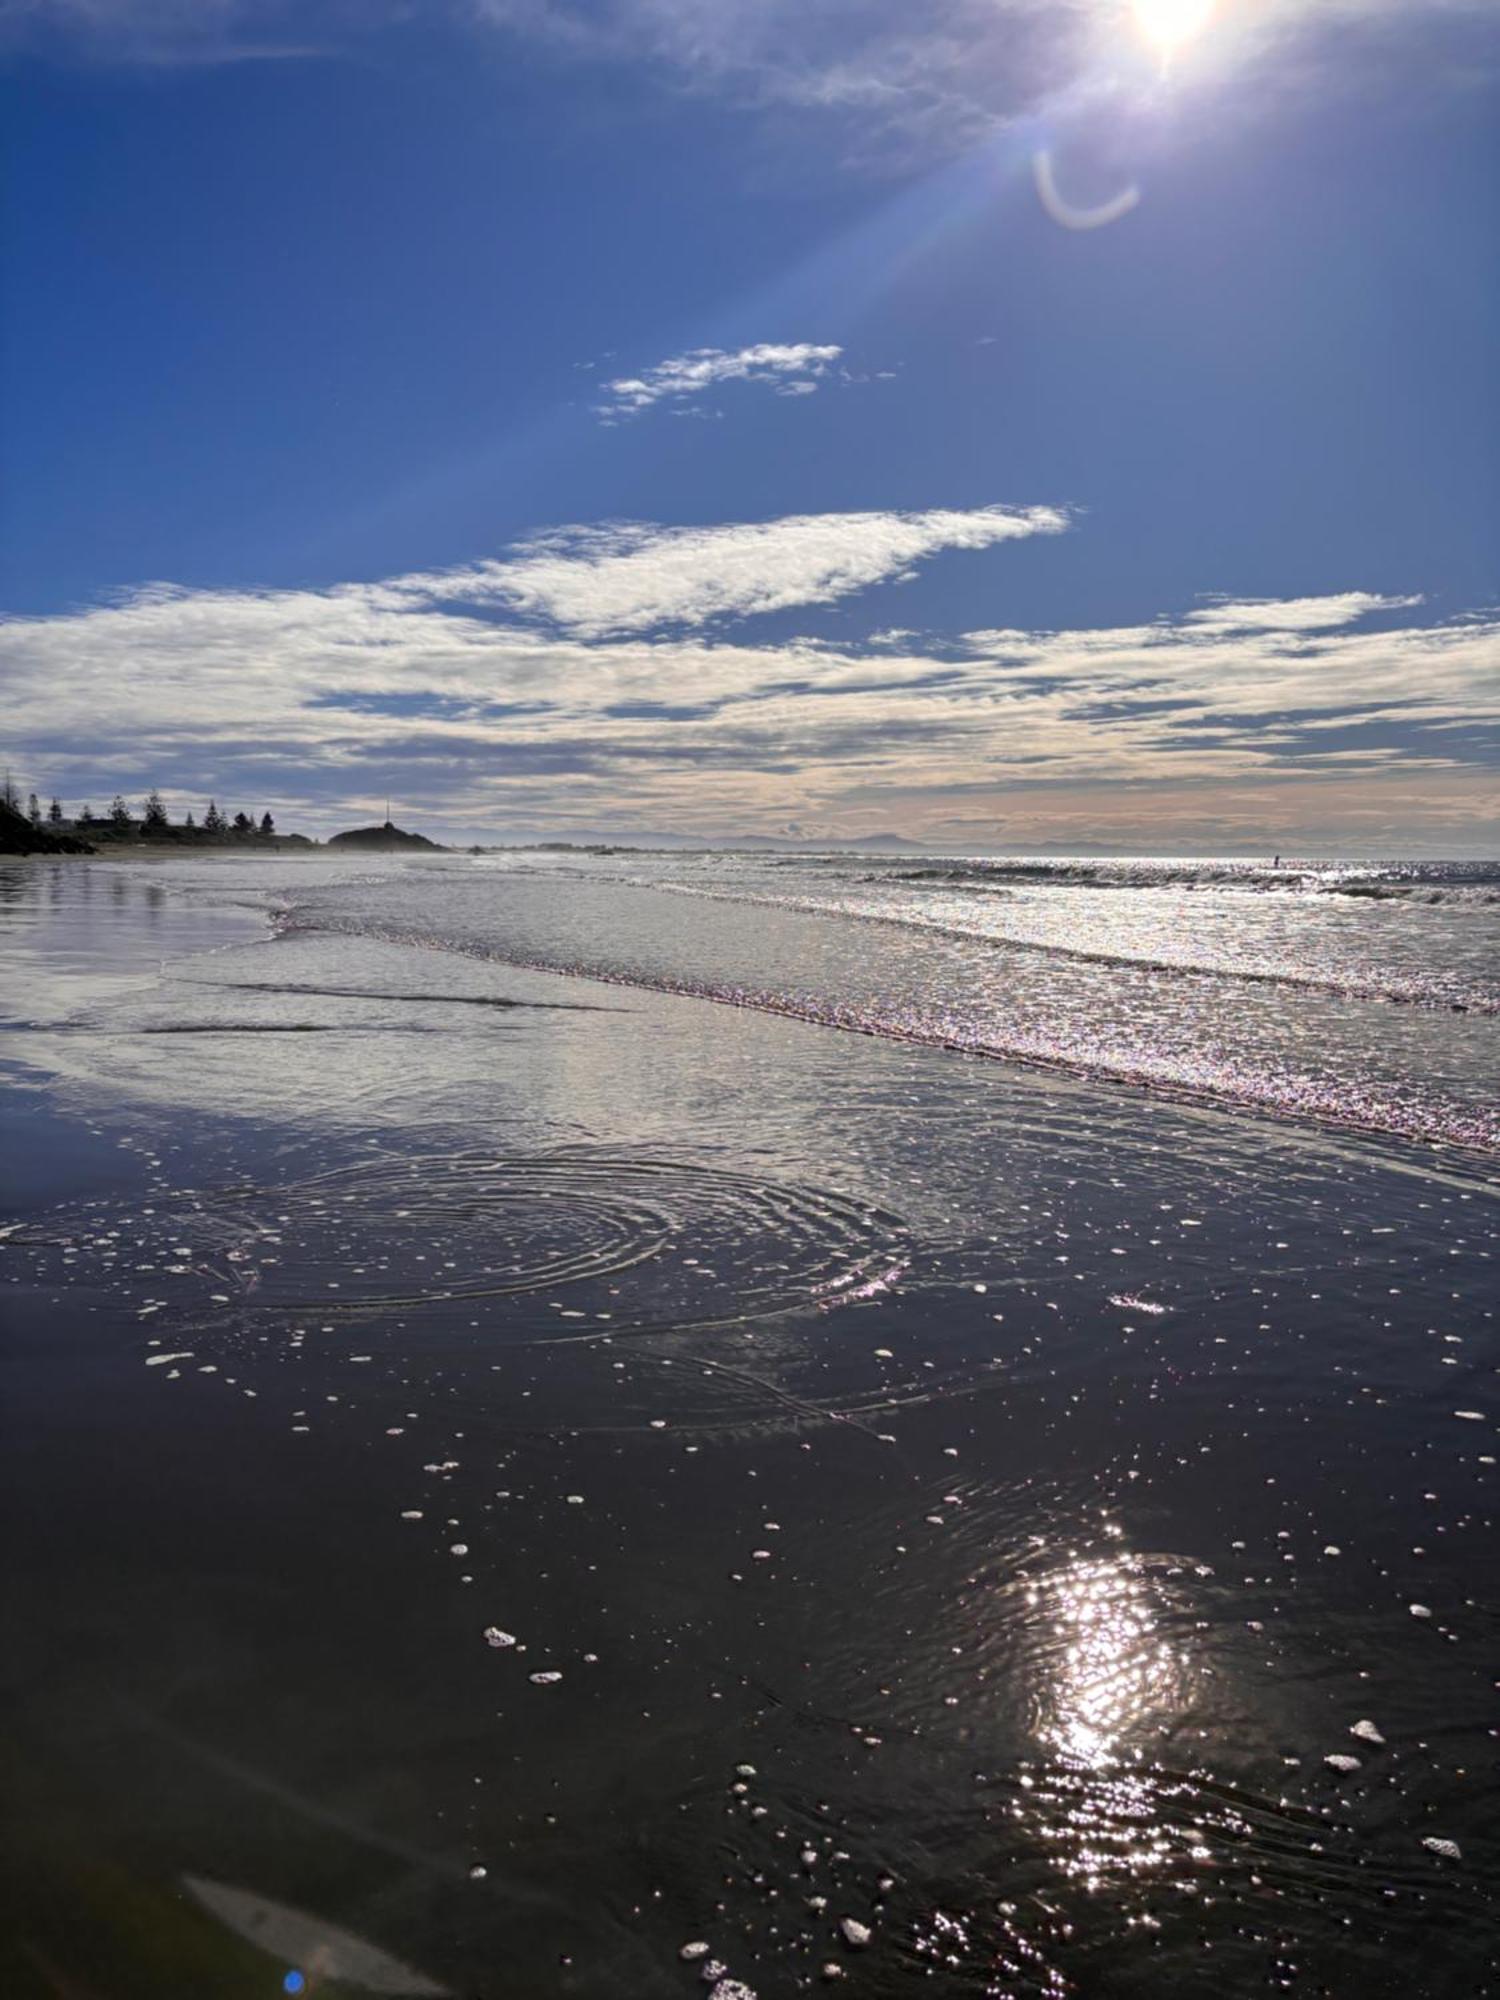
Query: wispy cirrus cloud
x=633, y=577
x=794, y=368
x=896, y=83
x=557, y=689
x=899, y=82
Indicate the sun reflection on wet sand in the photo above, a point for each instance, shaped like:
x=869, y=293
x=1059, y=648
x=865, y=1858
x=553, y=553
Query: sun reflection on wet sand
x=1114, y=1681
x=1115, y=1672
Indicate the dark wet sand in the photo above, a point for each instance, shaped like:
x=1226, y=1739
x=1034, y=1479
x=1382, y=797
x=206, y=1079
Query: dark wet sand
x=1036, y=1528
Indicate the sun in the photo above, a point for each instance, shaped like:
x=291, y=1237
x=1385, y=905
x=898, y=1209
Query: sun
x=1169, y=23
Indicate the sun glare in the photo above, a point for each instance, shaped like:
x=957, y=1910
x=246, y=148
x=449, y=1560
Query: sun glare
x=1169, y=23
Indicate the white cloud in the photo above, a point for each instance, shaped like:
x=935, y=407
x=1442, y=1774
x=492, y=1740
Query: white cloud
x=633, y=577
x=1295, y=614
x=940, y=78
x=791, y=369
x=321, y=698
x=895, y=82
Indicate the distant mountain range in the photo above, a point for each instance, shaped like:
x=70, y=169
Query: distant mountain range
x=745, y=842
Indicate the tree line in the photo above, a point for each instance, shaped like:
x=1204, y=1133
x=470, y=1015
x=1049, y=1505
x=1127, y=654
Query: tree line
x=154, y=821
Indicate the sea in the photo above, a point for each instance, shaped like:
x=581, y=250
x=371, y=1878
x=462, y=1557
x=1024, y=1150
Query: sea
x=602, y=1422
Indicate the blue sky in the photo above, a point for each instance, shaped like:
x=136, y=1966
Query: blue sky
x=711, y=417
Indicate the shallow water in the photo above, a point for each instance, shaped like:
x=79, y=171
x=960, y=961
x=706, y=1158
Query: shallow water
x=717, y=1476
x=1380, y=1013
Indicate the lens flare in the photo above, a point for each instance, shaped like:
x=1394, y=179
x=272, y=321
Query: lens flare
x=1169, y=23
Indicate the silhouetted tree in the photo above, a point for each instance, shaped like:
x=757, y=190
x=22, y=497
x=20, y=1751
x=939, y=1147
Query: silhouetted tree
x=213, y=819
x=10, y=795
x=188, y=820
x=34, y=810
x=85, y=816
x=119, y=814
x=243, y=823
x=155, y=820
x=267, y=825
x=55, y=812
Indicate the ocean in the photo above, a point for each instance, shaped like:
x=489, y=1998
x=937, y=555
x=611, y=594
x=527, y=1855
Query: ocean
x=1323, y=991
x=598, y=1422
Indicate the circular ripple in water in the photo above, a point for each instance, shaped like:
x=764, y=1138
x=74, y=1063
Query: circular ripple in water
x=566, y=1244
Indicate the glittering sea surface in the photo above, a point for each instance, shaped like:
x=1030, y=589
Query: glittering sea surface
x=601, y=1424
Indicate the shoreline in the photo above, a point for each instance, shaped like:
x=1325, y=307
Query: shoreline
x=1472, y=1157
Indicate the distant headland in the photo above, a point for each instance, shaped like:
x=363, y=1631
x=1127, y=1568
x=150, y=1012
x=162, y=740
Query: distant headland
x=382, y=839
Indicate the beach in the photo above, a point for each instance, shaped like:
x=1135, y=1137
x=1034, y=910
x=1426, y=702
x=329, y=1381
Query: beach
x=920, y=1426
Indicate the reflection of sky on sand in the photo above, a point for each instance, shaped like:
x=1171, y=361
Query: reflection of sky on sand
x=74, y=936
x=198, y=1009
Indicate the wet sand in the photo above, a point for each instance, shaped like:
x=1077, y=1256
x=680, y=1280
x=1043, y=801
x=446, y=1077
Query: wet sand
x=531, y=1478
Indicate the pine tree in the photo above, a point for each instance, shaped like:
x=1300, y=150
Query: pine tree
x=189, y=821
x=119, y=814
x=10, y=796
x=243, y=823
x=34, y=810
x=155, y=820
x=267, y=825
x=213, y=819
x=85, y=816
x=55, y=812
